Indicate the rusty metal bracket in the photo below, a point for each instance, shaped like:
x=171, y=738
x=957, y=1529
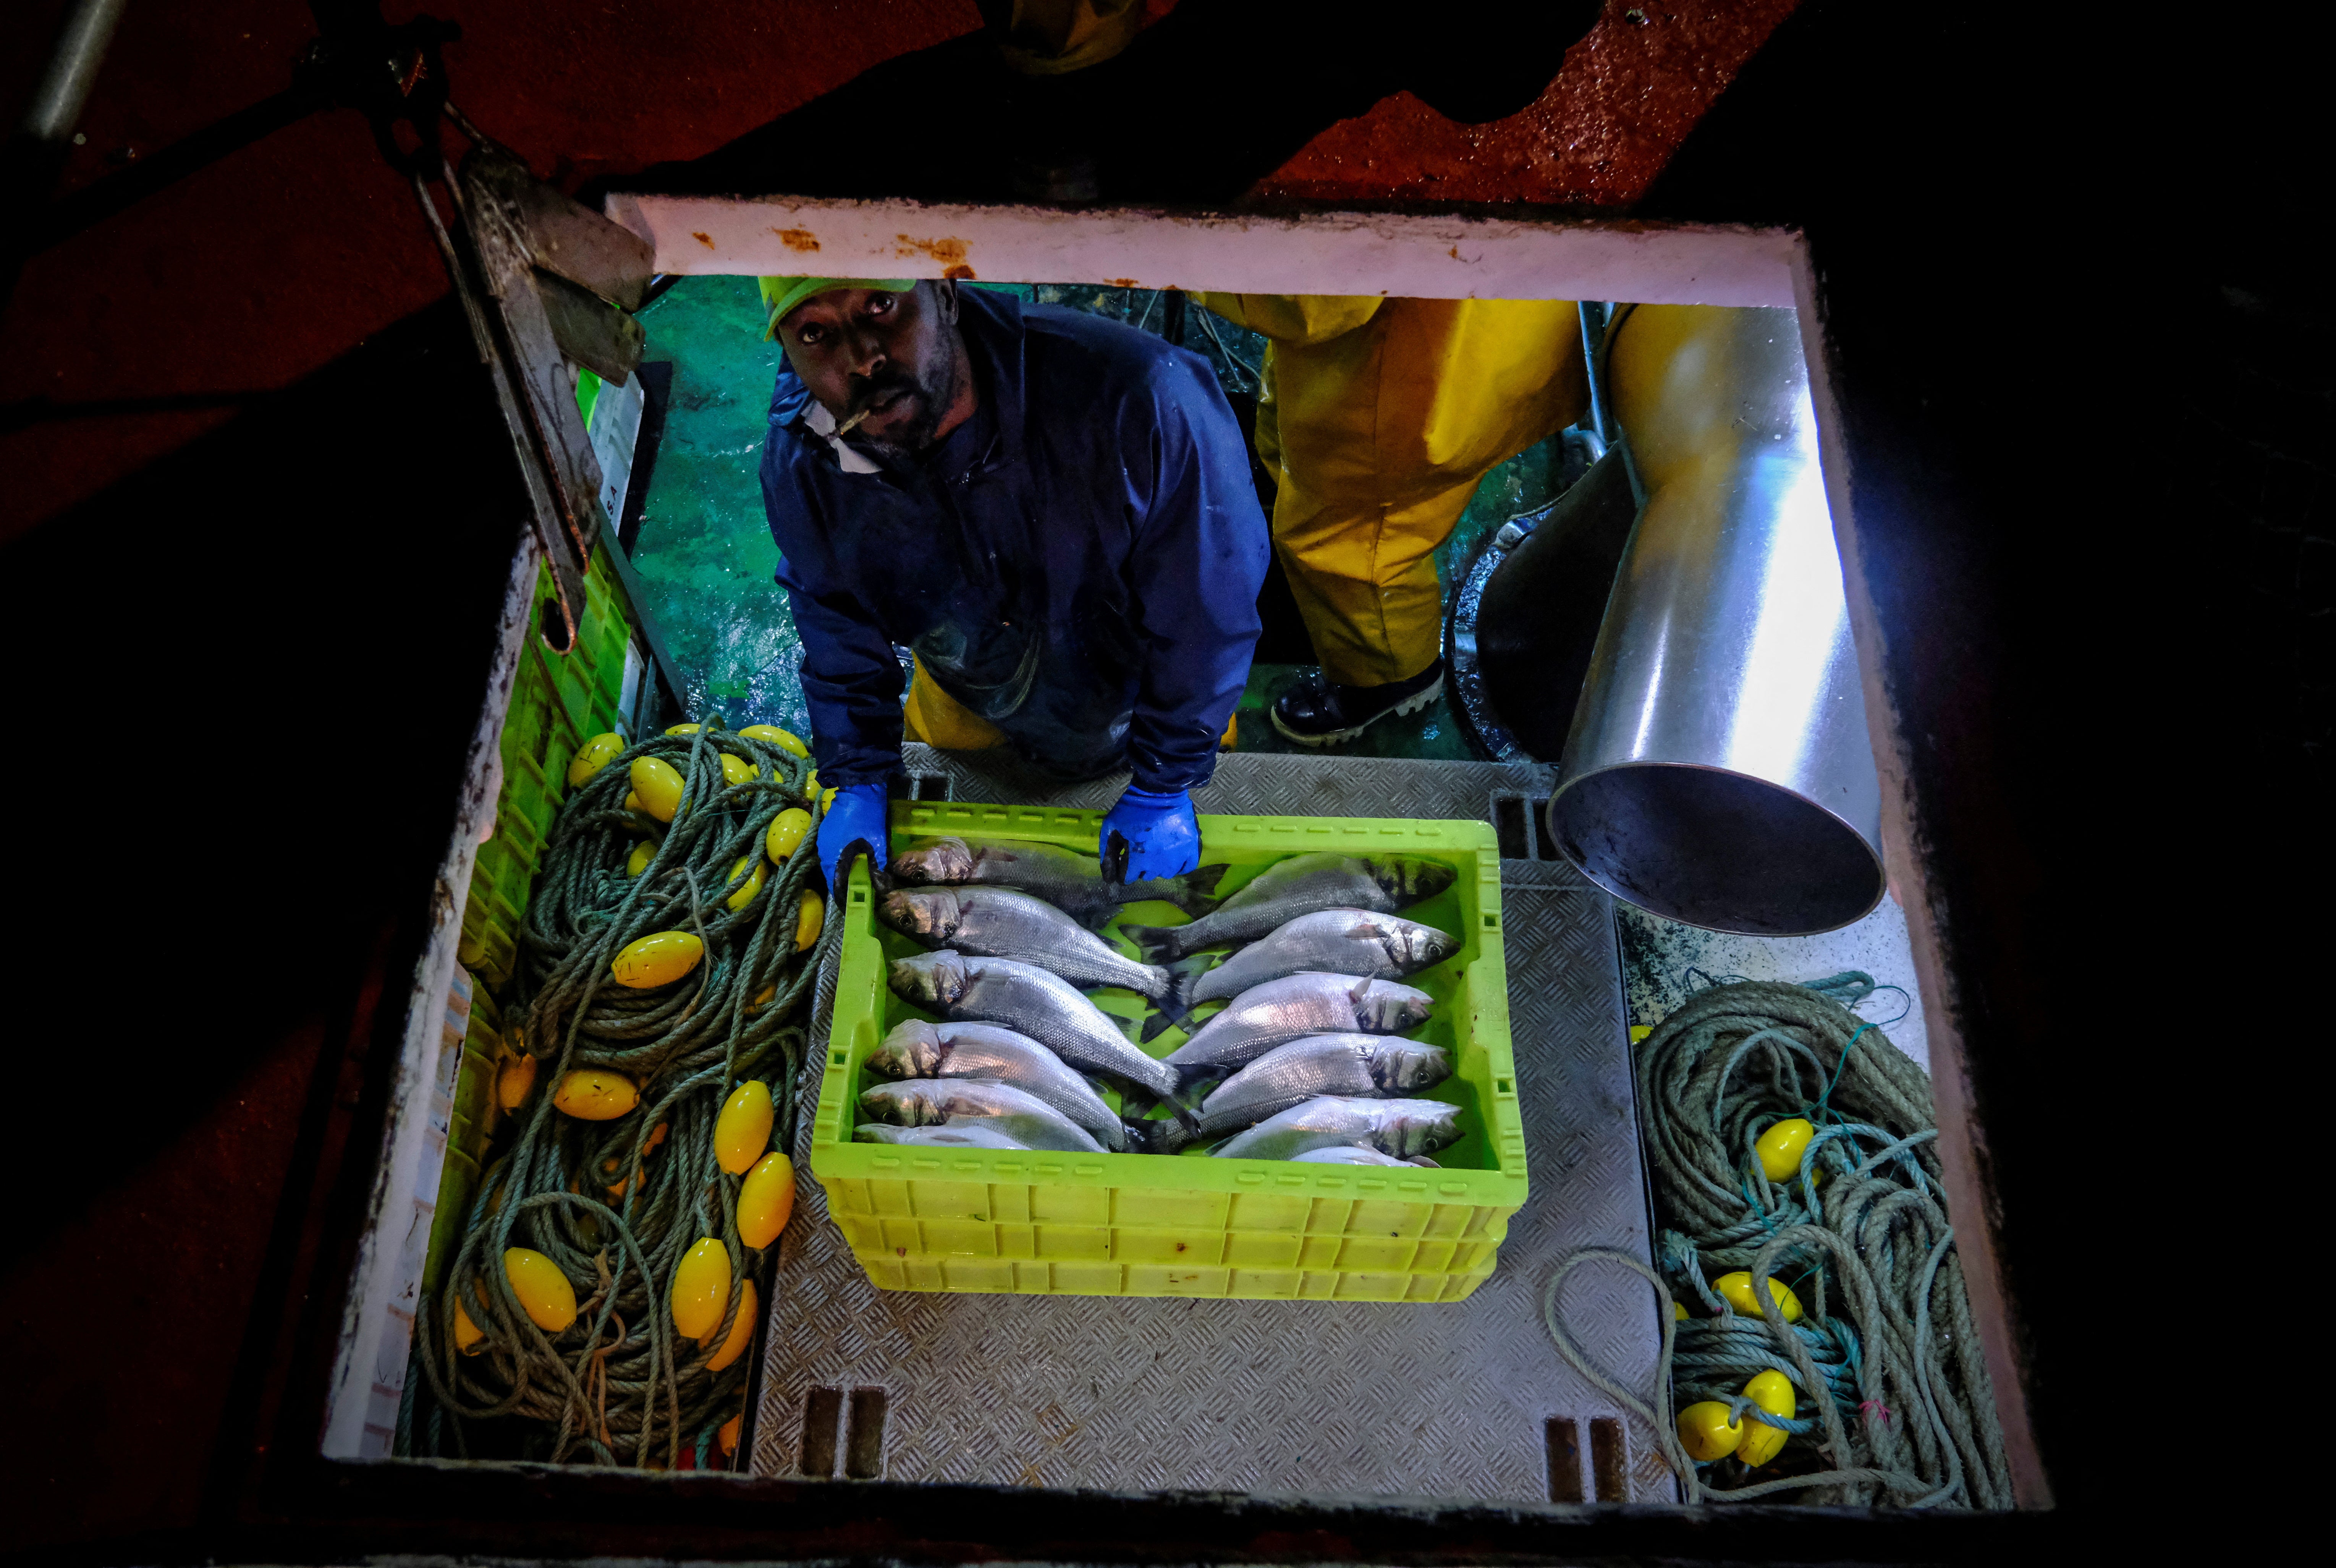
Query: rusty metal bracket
x=548, y=285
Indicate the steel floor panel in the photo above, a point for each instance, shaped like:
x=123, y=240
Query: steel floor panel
x=1311, y=1399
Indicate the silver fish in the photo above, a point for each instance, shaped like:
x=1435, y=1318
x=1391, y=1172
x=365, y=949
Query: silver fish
x=1299, y=885
x=1329, y=941
x=916, y=1049
x=1366, y=1065
x=1026, y=999
x=1279, y=1011
x=957, y=1132
x=1353, y=1155
x=1069, y=881
x=939, y=1102
x=1398, y=1127
x=1371, y=1066
x=1001, y=923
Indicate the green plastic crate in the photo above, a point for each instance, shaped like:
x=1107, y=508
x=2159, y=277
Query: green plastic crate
x=1043, y=1224
x=559, y=701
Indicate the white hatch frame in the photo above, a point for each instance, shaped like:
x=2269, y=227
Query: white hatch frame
x=1395, y=254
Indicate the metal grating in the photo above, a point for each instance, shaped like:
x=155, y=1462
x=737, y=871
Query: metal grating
x=1453, y=1402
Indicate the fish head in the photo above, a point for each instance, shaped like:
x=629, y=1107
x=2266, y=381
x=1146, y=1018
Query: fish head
x=910, y=1104
x=1418, y=947
x=942, y=861
x=1384, y=1008
x=929, y=914
x=1406, y=879
x=1411, y=1127
x=934, y=980
x=1399, y=1067
x=912, y=1050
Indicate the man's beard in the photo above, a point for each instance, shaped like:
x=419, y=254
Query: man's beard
x=932, y=394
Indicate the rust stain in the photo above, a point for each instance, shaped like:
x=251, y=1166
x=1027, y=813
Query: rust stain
x=797, y=239
x=1456, y=253
x=958, y=269
x=702, y=237
x=949, y=252
x=1122, y=283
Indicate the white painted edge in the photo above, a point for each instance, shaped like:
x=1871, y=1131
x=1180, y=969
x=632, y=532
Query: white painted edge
x=1423, y=256
x=1960, y=1138
x=377, y=1280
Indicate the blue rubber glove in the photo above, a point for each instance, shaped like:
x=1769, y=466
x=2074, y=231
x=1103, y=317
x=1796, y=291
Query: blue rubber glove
x=857, y=814
x=1157, y=834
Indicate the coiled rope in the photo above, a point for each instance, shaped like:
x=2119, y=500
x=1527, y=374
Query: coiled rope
x=1894, y=1402
x=620, y=1384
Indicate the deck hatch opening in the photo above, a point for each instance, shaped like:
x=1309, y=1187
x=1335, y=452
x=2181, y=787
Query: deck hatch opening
x=1564, y=1438
x=822, y=1414
x=1608, y=1464
x=863, y=1441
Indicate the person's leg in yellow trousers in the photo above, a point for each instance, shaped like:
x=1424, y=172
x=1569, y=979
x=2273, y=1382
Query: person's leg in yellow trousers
x=940, y=720
x=1379, y=417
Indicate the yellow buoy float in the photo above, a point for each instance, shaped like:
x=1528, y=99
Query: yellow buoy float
x=765, y=1200
x=737, y=770
x=788, y=831
x=741, y=1332
x=592, y=756
x=658, y=785
x=1707, y=1431
x=1772, y=1391
x=656, y=960
x=743, y=892
x=743, y=1131
x=1780, y=1147
x=543, y=1291
x=809, y=921
x=681, y=729
x=1736, y=1290
x=638, y=861
x=772, y=734
x=701, y=1289
x=467, y=1334
x=515, y=1082
x=596, y=1094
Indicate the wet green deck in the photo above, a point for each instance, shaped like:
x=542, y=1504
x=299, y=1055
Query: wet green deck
x=704, y=556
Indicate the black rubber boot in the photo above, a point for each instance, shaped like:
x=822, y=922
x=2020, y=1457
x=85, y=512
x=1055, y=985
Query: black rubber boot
x=1320, y=714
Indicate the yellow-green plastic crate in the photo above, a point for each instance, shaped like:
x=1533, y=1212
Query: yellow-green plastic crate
x=1043, y=1224
x=559, y=701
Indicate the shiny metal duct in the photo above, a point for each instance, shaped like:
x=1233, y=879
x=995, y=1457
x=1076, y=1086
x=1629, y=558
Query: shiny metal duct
x=1718, y=770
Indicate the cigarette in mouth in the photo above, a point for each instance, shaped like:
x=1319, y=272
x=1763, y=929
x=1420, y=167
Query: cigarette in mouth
x=846, y=427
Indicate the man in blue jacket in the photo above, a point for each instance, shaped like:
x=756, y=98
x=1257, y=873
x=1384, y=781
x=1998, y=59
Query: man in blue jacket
x=1054, y=512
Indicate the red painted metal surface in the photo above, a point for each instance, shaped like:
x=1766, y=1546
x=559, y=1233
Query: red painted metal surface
x=1595, y=139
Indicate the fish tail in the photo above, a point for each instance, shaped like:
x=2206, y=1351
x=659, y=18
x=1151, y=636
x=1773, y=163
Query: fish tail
x=1184, y=975
x=1157, y=943
x=1172, y=1137
x=1156, y=1025
x=1195, y=890
x=1176, y=989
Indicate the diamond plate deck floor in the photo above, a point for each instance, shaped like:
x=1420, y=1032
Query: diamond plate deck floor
x=1314, y=1400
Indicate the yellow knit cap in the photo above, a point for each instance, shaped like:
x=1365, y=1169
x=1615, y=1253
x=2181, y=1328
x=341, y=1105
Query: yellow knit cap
x=781, y=295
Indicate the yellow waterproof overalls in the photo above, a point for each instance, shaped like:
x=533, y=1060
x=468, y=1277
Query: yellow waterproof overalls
x=1378, y=418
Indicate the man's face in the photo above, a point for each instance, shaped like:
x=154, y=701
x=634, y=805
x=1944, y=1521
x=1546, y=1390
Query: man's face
x=895, y=355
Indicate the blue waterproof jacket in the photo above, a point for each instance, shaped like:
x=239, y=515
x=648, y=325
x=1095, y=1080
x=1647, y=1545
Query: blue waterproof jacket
x=1078, y=562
